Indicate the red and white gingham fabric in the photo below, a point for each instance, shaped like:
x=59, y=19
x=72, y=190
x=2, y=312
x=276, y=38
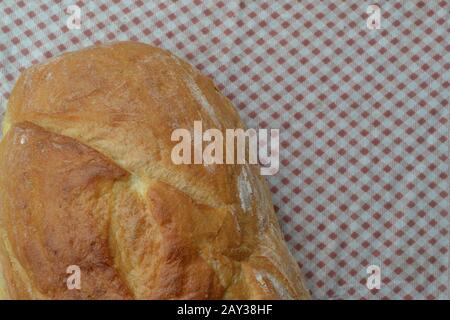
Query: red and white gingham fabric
x=363, y=117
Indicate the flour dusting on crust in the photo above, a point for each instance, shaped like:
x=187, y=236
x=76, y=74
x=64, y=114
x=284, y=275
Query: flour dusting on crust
x=245, y=190
x=200, y=98
x=263, y=277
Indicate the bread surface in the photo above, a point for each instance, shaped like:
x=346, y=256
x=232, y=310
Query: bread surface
x=86, y=179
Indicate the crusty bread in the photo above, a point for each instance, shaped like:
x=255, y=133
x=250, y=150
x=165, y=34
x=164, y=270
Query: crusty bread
x=86, y=179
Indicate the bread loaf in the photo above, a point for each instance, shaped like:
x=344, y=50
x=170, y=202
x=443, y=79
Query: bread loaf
x=86, y=180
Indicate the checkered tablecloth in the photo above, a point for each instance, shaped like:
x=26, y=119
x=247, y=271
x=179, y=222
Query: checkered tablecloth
x=363, y=117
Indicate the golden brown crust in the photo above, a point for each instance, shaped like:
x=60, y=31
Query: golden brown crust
x=86, y=179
